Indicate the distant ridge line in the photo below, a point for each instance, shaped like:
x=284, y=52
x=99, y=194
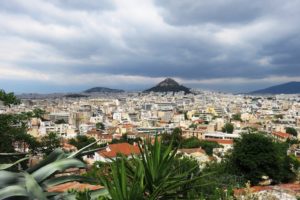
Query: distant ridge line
x=285, y=88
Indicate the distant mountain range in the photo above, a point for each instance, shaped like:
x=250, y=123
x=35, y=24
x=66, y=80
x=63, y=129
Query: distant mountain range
x=92, y=92
x=286, y=88
x=169, y=85
x=102, y=90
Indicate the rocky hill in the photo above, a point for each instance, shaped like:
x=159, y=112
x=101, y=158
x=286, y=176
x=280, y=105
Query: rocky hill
x=169, y=85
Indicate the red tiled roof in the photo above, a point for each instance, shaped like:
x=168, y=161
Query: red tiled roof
x=121, y=148
x=73, y=185
x=253, y=189
x=199, y=121
x=281, y=134
x=290, y=186
x=127, y=125
x=68, y=146
x=93, y=132
x=294, y=187
x=105, y=136
x=220, y=141
x=203, y=127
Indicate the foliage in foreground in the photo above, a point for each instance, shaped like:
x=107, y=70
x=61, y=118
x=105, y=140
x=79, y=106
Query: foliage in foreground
x=13, y=127
x=34, y=182
x=157, y=174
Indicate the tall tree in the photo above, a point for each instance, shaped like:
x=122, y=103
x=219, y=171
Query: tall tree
x=292, y=131
x=38, y=113
x=13, y=129
x=256, y=155
x=81, y=141
x=194, y=142
x=8, y=98
x=100, y=126
x=50, y=142
x=237, y=117
x=175, y=137
x=228, y=128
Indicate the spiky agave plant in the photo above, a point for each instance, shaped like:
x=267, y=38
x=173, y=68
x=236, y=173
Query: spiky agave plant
x=155, y=174
x=34, y=182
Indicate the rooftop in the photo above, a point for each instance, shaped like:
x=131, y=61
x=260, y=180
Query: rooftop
x=122, y=148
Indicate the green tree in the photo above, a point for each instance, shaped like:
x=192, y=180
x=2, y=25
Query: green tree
x=208, y=146
x=279, y=116
x=60, y=121
x=291, y=130
x=221, y=181
x=193, y=126
x=237, y=117
x=175, y=137
x=81, y=141
x=292, y=141
x=38, y=113
x=185, y=116
x=100, y=126
x=98, y=170
x=124, y=138
x=228, y=128
x=8, y=98
x=13, y=130
x=194, y=142
x=50, y=142
x=250, y=129
x=191, y=142
x=256, y=155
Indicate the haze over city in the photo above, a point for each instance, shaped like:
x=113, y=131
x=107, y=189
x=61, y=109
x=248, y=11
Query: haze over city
x=71, y=45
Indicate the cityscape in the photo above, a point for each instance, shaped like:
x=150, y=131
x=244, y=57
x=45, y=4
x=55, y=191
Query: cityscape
x=149, y=100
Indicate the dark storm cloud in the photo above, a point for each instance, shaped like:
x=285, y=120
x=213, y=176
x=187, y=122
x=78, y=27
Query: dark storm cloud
x=198, y=40
x=285, y=51
x=189, y=12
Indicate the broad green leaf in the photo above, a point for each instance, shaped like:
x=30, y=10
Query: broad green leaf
x=97, y=193
x=88, y=152
x=13, y=191
x=59, y=165
x=8, y=178
x=57, y=154
x=64, y=179
x=13, y=154
x=33, y=188
x=77, y=153
x=7, y=166
x=71, y=196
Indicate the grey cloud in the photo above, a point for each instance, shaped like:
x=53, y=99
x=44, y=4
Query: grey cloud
x=85, y=5
x=183, y=45
x=189, y=12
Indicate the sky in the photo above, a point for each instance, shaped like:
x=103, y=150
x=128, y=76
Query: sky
x=72, y=45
